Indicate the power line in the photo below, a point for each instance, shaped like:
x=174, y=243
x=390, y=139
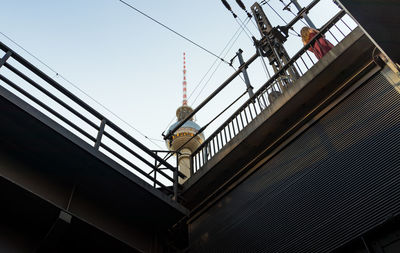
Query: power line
x=168, y=155
x=208, y=71
x=236, y=34
x=212, y=65
x=172, y=119
x=288, y=9
x=26, y=51
x=227, y=51
x=204, y=86
x=297, y=34
x=244, y=26
x=172, y=30
x=76, y=87
x=232, y=40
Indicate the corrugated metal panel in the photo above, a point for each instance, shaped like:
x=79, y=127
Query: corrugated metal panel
x=335, y=181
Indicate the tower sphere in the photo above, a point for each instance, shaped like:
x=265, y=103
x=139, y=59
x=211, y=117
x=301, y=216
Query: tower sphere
x=185, y=132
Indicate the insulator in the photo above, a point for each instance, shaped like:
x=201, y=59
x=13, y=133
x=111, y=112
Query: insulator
x=240, y=3
x=229, y=8
x=227, y=5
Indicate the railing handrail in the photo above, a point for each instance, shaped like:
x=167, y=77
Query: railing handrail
x=83, y=105
x=80, y=102
x=212, y=95
x=271, y=81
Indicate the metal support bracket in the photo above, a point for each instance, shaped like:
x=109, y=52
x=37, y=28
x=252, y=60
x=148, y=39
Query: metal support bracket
x=65, y=217
x=176, y=179
x=245, y=75
x=100, y=134
x=5, y=58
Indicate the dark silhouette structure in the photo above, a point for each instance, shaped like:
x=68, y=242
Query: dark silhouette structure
x=310, y=163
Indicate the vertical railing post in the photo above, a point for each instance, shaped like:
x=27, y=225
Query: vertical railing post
x=155, y=171
x=5, y=58
x=191, y=166
x=176, y=178
x=100, y=134
x=245, y=75
x=299, y=8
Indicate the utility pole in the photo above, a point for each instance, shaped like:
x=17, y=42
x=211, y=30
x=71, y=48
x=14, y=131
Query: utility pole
x=245, y=75
x=271, y=46
x=299, y=8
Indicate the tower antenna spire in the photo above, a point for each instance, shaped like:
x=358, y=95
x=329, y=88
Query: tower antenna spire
x=184, y=102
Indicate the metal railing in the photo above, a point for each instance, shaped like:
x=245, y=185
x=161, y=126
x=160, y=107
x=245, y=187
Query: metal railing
x=85, y=117
x=262, y=99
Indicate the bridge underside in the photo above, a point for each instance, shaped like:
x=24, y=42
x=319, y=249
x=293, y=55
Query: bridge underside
x=318, y=171
x=336, y=182
x=30, y=224
x=381, y=21
x=309, y=95
x=331, y=179
x=59, y=193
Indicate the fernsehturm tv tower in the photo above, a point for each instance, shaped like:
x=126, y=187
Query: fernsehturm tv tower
x=185, y=132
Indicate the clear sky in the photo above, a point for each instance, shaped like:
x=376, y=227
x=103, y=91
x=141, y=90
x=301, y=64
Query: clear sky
x=132, y=65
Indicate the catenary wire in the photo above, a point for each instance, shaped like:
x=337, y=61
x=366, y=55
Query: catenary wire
x=208, y=71
x=227, y=51
x=172, y=119
x=297, y=34
x=79, y=89
x=223, y=50
x=261, y=58
x=255, y=25
x=219, y=65
x=172, y=30
x=244, y=27
x=205, y=84
x=301, y=20
x=264, y=66
x=167, y=156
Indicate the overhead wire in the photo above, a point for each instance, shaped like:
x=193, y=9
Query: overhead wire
x=262, y=58
x=204, y=86
x=301, y=20
x=169, y=124
x=189, y=40
x=57, y=74
x=208, y=71
x=290, y=10
x=227, y=51
x=169, y=155
x=223, y=50
x=244, y=27
x=265, y=66
x=297, y=34
x=172, y=30
x=240, y=29
x=254, y=23
x=235, y=35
